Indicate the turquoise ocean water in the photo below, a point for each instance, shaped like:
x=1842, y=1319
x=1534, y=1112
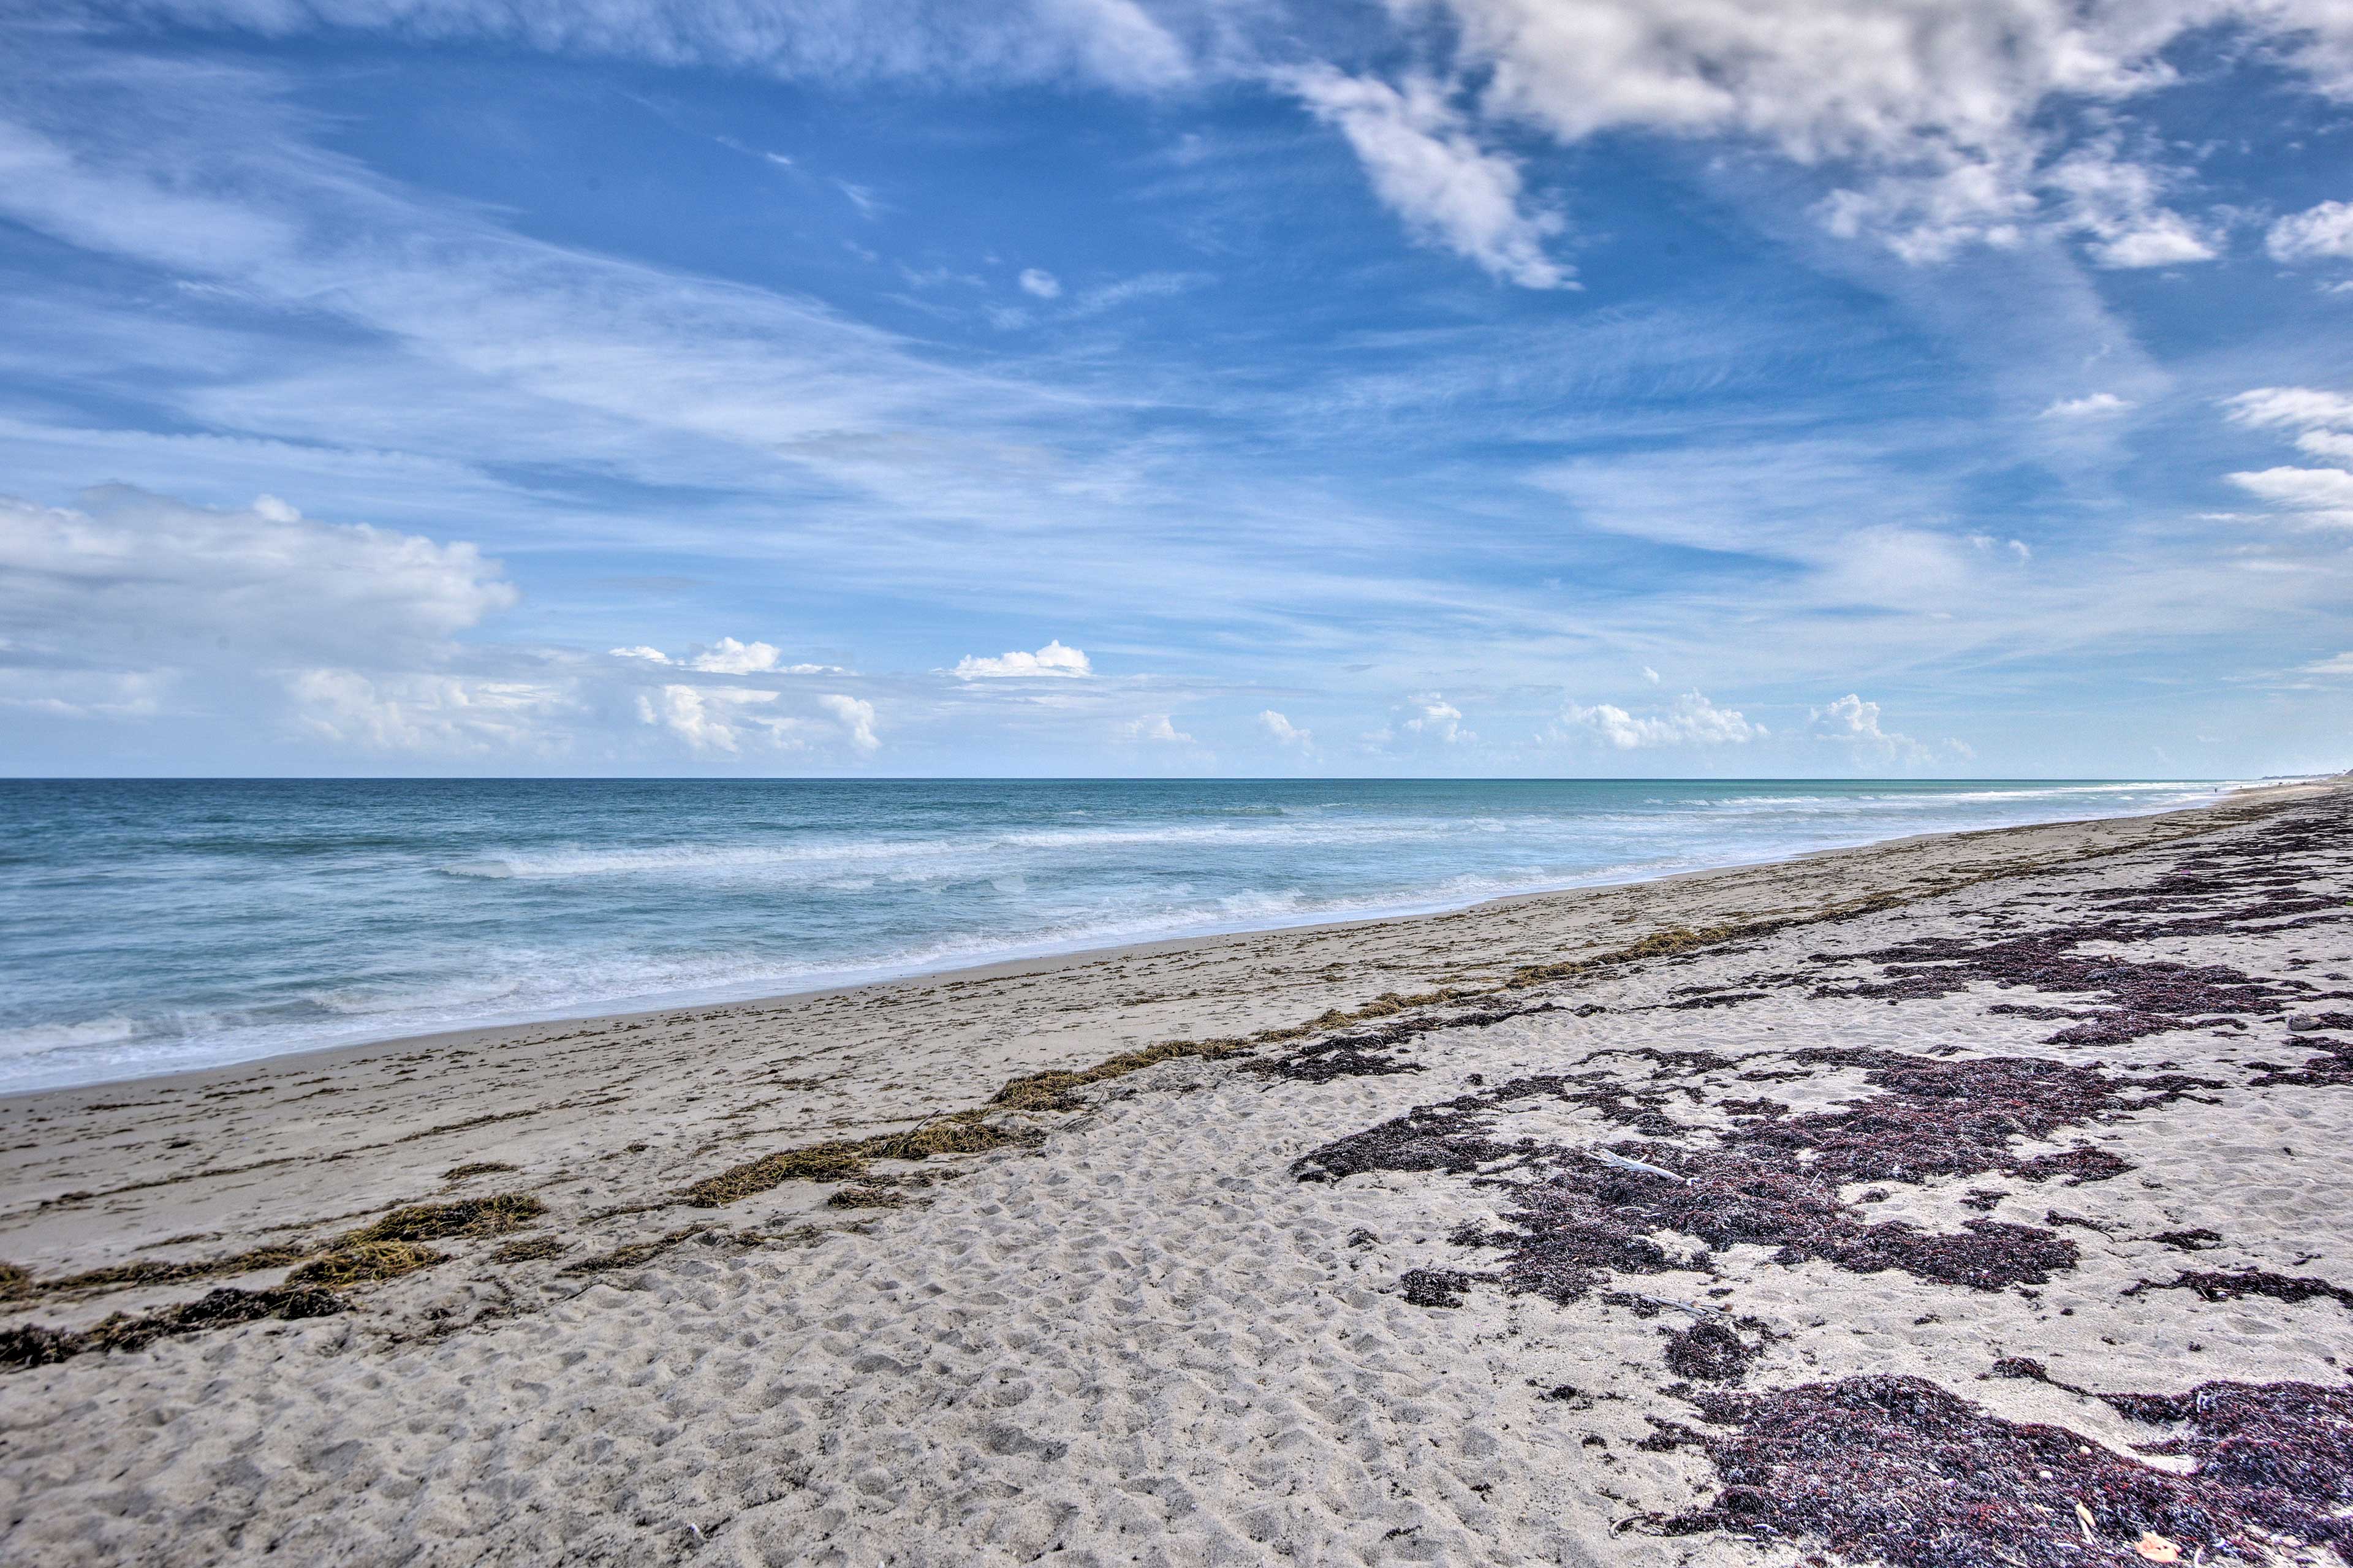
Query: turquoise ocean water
x=147, y=926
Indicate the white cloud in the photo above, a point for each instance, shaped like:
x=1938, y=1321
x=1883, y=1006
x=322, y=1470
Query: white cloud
x=1053, y=659
x=2092, y=407
x=1850, y=721
x=1285, y=732
x=2017, y=547
x=2339, y=665
x=1143, y=286
x=2322, y=422
x=1934, y=115
x=2116, y=204
x=1650, y=675
x=1426, y=164
x=1041, y=283
x=1434, y=718
x=2295, y=408
x=1690, y=720
x=2319, y=496
x=422, y=712
x=1153, y=728
x=857, y=715
x=135, y=580
x=728, y=657
x=2325, y=232
x=707, y=717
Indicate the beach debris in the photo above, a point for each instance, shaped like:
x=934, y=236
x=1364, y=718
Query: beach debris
x=1710, y=1351
x=1435, y=1286
x=1899, y=1471
x=149, y=1271
x=385, y=1249
x=437, y=1222
x=2230, y=886
x=365, y=1261
x=2216, y=1286
x=635, y=1253
x=530, y=1249
x=2200, y=1240
x=842, y=1160
x=1623, y=1163
x=477, y=1168
x=1578, y=1215
x=2156, y=1548
x=37, y=1344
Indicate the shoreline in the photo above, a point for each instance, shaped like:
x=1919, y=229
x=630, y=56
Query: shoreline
x=500, y=1027
x=1300, y=1245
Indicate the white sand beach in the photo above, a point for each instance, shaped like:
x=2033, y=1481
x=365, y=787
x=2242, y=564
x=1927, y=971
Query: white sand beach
x=1445, y=1278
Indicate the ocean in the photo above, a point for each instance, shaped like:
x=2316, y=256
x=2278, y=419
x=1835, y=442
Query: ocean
x=149, y=926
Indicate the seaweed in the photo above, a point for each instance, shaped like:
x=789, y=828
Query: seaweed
x=635, y=1253
x=37, y=1345
x=157, y=1271
x=1897, y=1470
x=1340, y=1055
x=477, y=1168
x=436, y=1222
x=2215, y=1285
x=1435, y=1286
x=2199, y=1240
x=843, y=1160
x=366, y=1261
x=530, y=1249
x=1577, y=1216
x=1710, y=1351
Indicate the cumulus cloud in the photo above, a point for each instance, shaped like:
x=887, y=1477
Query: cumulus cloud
x=1285, y=732
x=1041, y=283
x=1153, y=728
x=1850, y=721
x=1933, y=115
x=2116, y=204
x=2095, y=405
x=855, y=716
x=135, y=580
x=1434, y=717
x=707, y=717
x=422, y=712
x=1053, y=659
x=728, y=657
x=2321, y=233
x=1690, y=720
x=1426, y=165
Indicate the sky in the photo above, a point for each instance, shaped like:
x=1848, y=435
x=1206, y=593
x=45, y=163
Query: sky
x=1106, y=388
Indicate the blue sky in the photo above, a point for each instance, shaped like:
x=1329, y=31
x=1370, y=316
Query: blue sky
x=1099, y=387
